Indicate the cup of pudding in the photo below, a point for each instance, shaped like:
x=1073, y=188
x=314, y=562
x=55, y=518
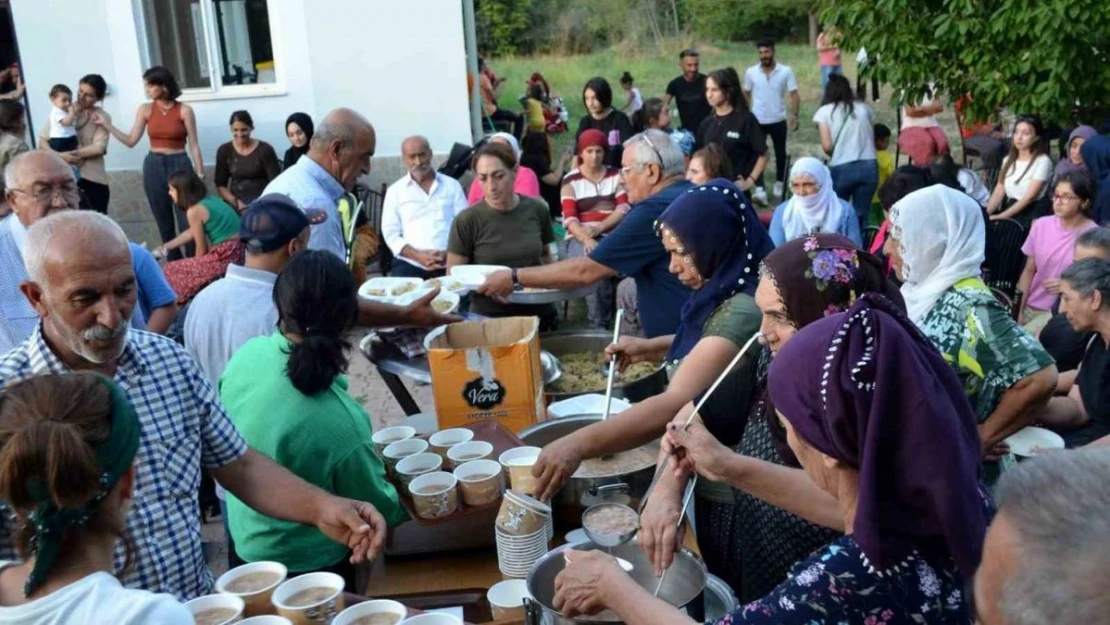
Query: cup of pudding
x=378, y=612
x=254, y=583
x=443, y=440
x=506, y=599
x=480, y=482
x=216, y=609
x=518, y=463
x=434, y=495
x=310, y=599
x=395, y=452
x=411, y=467
x=468, y=452
x=385, y=436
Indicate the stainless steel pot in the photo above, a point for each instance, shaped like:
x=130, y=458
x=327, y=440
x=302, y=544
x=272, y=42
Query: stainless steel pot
x=572, y=342
x=580, y=493
x=682, y=588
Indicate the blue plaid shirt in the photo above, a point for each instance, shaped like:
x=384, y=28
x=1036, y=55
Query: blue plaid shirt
x=184, y=428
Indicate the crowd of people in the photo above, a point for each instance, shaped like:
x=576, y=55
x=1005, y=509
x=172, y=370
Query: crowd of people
x=854, y=469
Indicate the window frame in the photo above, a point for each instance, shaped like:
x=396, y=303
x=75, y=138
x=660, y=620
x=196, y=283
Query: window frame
x=217, y=91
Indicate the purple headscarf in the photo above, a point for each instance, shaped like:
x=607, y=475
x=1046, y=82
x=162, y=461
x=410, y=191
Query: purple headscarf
x=722, y=235
x=866, y=388
x=1065, y=166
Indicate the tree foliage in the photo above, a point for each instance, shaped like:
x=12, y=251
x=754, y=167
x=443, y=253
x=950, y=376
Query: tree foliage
x=502, y=25
x=748, y=20
x=1048, y=57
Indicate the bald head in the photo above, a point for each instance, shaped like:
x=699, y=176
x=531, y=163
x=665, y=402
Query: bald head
x=343, y=144
x=37, y=173
x=57, y=238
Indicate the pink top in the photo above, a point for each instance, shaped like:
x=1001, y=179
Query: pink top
x=1052, y=248
x=827, y=57
x=526, y=184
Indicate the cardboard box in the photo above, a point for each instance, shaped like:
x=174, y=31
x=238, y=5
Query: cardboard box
x=485, y=370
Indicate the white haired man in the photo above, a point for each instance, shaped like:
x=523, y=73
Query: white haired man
x=652, y=170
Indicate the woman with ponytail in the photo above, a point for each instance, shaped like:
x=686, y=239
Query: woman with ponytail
x=67, y=449
x=287, y=395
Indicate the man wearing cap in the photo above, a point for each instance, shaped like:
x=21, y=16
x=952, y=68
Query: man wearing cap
x=240, y=306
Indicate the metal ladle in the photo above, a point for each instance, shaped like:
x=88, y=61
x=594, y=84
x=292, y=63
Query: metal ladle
x=609, y=540
x=612, y=365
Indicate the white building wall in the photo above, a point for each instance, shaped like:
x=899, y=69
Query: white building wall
x=400, y=63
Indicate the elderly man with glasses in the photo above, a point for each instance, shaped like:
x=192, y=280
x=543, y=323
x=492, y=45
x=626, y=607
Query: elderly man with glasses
x=39, y=184
x=652, y=173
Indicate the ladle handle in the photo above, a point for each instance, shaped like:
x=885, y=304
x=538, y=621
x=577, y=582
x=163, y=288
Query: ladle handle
x=721, y=378
x=681, y=517
x=612, y=365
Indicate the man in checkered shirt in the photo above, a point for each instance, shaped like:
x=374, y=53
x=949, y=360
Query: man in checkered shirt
x=83, y=288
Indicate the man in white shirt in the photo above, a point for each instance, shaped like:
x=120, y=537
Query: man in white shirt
x=766, y=86
x=417, y=214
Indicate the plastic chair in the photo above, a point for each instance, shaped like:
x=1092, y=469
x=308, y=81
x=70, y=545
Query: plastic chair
x=1004, y=258
x=869, y=234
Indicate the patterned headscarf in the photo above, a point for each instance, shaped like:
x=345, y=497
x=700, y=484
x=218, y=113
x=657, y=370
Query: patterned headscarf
x=868, y=389
x=723, y=237
x=823, y=274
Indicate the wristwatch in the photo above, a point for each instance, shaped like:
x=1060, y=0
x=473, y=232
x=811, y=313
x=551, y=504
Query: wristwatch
x=517, y=286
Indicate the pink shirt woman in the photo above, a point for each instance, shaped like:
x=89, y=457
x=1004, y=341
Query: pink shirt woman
x=527, y=183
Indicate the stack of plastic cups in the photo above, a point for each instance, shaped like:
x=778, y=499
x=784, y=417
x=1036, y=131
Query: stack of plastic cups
x=522, y=532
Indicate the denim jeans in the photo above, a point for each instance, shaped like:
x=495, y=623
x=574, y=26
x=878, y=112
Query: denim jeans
x=829, y=70
x=856, y=183
x=402, y=269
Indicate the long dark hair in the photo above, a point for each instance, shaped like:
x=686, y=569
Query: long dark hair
x=96, y=82
x=535, y=148
x=602, y=91
x=316, y=298
x=838, y=92
x=1081, y=186
x=728, y=81
x=648, y=113
x=162, y=77
x=11, y=116
x=1039, y=147
x=189, y=186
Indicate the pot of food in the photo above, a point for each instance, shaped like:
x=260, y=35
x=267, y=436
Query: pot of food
x=683, y=587
x=582, y=359
x=622, y=478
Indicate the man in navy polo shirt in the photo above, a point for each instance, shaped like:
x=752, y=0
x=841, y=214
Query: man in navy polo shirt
x=652, y=170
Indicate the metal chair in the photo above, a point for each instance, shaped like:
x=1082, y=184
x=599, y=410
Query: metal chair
x=368, y=205
x=1004, y=258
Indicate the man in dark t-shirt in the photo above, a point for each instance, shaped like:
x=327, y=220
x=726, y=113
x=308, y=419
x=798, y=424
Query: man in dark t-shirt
x=689, y=92
x=652, y=170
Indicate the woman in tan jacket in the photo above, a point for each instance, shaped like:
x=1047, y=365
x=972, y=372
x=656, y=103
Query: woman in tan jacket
x=92, y=141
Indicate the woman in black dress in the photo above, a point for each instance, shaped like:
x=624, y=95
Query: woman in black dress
x=597, y=96
x=734, y=128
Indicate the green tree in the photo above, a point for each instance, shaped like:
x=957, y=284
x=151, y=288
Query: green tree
x=502, y=25
x=1048, y=57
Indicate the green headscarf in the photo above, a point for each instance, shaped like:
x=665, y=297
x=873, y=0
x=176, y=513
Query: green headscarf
x=113, y=457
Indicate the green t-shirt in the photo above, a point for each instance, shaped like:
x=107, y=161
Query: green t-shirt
x=223, y=221
x=323, y=439
x=516, y=239
x=736, y=320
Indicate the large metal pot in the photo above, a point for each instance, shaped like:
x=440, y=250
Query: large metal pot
x=572, y=342
x=580, y=493
x=683, y=586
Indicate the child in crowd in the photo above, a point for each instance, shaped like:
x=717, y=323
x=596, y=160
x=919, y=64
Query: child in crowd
x=633, y=100
x=886, y=167
x=63, y=131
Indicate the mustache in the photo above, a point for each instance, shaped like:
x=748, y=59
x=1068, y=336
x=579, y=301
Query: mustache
x=104, y=333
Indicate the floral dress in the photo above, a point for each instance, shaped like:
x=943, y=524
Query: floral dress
x=837, y=585
x=988, y=349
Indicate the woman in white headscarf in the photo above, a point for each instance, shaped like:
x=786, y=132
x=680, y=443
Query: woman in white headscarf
x=527, y=183
x=814, y=206
x=936, y=246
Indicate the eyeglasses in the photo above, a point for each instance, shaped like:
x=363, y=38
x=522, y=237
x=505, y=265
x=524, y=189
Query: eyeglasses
x=1057, y=197
x=45, y=195
x=651, y=145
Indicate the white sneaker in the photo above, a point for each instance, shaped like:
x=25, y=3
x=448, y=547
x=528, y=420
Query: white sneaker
x=778, y=189
x=759, y=195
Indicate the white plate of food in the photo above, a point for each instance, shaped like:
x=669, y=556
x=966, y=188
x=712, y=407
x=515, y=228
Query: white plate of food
x=1030, y=441
x=447, y=283
x=472, y=276
x=446, y=302
x=389, y=290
